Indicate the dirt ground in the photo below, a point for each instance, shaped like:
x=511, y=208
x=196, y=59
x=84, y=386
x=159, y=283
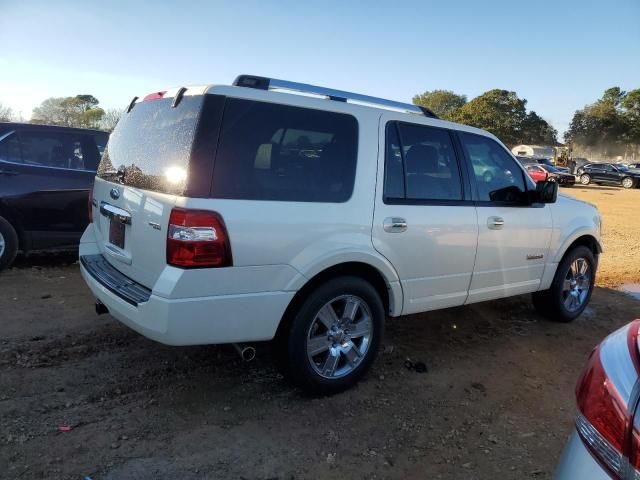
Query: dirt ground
x=496, y=401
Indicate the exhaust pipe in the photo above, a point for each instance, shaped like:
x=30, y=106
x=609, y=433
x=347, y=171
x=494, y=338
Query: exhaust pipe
x=101, y=308
x=246, y=352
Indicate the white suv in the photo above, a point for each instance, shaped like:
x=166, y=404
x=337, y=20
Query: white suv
x=245, y=213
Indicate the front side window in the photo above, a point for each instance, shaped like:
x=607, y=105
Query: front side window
x=420, y=164
x=498, y=176
x=278, y=152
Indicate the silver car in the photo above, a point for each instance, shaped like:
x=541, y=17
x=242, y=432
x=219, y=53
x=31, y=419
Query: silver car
x=606, y=440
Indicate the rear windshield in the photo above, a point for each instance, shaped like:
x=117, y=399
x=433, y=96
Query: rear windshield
x=151, y=146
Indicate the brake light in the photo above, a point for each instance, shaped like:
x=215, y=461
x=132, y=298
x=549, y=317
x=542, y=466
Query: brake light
x=197, y=239
x=605, y=403
x=90, y=204
x=154, y=96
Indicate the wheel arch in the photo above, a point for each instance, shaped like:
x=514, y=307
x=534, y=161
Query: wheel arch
x=388, y=288
x=580, y=239
x=15, y=222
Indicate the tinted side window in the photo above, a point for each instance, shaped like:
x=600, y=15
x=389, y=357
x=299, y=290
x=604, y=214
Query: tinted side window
x=45, y=149
x=10, y=149
x=75, y=151
x=278, y=152
x=498, y=176
x=420, y=164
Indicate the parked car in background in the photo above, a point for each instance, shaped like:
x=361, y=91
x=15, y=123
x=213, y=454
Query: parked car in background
x=245, y=213
x=536, y=172
x=605, y=443
x=608, y=174
x=541, y=172
x=45, y=175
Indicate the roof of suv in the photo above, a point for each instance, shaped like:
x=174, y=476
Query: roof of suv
x=250, y=86
x=10, y=125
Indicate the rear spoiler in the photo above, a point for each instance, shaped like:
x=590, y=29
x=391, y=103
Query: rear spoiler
x=176, y=93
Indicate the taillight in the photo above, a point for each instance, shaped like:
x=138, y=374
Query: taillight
x=605, y=403
x=90, y=204
x=197, y=239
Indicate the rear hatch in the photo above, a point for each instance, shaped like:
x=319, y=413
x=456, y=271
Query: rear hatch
x=153, y=157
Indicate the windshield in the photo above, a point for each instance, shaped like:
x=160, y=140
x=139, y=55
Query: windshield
x=150, y=147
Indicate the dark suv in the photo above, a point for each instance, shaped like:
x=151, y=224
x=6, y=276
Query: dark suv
x=45, y=175
x=606, y=173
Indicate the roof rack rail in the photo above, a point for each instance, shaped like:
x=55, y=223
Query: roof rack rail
x=264, y=83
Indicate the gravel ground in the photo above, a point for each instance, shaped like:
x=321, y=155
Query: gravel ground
x=496, y=400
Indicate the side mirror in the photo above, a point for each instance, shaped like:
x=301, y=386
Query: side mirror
x=546, y=192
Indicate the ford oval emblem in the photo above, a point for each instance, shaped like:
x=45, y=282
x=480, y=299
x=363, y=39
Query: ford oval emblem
x=114, y=193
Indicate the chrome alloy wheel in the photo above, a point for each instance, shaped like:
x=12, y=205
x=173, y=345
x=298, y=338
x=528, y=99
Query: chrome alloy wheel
x=339, y=336
x=627, y=182
x=576, y=284
x=3, y=245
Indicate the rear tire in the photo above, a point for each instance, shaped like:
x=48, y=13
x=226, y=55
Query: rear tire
x=585, y=179
x=8, y=243
x=627, y=182
x=333, y=337
x=571, y=288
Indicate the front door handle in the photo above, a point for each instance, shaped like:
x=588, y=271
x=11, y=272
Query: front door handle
x=394, y=224
x=8, y=172
x=495, y=223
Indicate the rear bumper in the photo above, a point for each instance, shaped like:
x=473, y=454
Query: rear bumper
x=197, y=321
x=577, y=462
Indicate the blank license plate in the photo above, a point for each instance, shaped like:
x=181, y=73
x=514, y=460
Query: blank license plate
x=116, y=233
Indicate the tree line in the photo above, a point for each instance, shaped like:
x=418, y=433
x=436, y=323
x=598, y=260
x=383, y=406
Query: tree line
x=80, y=111
x=607, y=128
x=500, y=112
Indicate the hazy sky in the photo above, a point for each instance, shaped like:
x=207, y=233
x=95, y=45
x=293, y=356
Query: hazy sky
x=558, y=54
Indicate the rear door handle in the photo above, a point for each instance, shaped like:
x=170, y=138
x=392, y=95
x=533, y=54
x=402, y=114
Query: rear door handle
x=495, y=223
x=9, y=172
x=394, y=224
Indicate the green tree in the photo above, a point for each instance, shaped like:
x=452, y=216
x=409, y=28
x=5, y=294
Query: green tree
x=6, y=114
x=79, y=111
x=601, y=126
x=500, y=112
x=630, y=105
x=537, y=131
x=443, y=103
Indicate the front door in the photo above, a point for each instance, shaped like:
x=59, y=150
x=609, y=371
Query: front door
x=46, y=182
x=424, y=223
x=513, y=236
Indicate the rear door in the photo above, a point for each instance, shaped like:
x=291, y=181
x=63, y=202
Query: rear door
x=513, y=236
x=150, y=155
x=424, y=223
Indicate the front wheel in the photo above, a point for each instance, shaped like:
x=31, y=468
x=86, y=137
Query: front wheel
x=627, y=182
x=585, y=179
x=334, y=336
x=571, y=288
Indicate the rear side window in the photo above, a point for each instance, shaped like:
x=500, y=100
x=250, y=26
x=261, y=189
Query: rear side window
x=420, y=164
x=59, y=149
x=278, y=152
